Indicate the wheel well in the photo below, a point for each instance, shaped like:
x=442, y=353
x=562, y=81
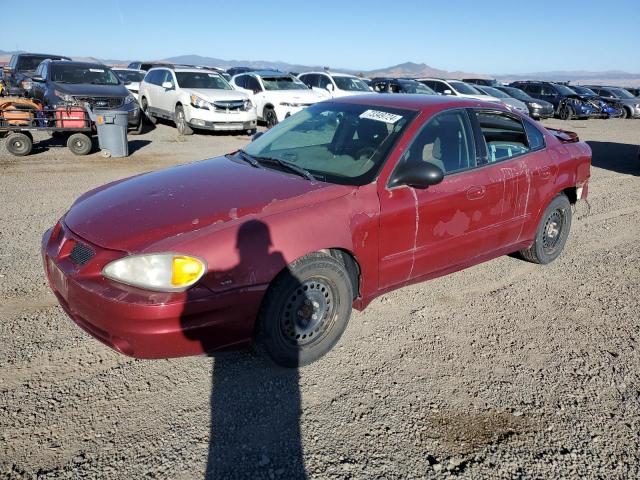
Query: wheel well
x=572, y=194
x=268, y=105
x=628, y=109
x=351, y=264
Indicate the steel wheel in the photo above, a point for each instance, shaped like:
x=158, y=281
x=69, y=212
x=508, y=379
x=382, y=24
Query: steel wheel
x=552, y=231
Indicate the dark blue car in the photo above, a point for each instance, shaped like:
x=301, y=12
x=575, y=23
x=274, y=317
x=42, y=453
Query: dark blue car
x=567, y=103
x=609, y=108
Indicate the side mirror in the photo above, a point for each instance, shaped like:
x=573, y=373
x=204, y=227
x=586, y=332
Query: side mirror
x=448, y=92
x=256, y=136
x=37, y=78
x=329, y=87
x=167, y=85
x=417, y=175
x=8, y=69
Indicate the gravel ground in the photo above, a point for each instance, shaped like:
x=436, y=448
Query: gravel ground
x=504, y=370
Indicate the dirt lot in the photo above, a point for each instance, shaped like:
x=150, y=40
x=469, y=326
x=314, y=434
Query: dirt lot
x=504, y=370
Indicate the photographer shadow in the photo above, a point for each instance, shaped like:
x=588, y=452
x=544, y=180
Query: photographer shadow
x=255, y=405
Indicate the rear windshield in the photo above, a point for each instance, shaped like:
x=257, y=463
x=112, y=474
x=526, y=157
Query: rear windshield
x=351, y=84
x=283, y=83
x=202, y=80
x=584, y=91
x=30, y=63
x=93, y=74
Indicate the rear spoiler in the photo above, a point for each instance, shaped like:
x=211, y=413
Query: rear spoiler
x=564, y=136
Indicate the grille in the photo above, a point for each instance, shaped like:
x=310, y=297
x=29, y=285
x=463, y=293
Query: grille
x=232, y=106
x=101, y=102
x=81, y=253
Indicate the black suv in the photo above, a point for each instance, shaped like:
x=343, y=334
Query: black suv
x=63, y=83
x=20, y=69
x=399, y=85
x=566, y=102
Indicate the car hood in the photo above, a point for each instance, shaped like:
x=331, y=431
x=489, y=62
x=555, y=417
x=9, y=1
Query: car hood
x=135, y=86
x=514, y=102
x=134, y=213
x=214, y=94
x=486, y=98
x=90, y=90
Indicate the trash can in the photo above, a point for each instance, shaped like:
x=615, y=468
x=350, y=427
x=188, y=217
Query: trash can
x=112, y=131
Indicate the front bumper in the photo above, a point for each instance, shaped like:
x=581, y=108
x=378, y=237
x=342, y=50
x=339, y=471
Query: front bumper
x=541, y=113
x=141, y=323
x=221, y=121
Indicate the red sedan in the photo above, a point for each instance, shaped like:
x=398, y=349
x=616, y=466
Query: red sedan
x=338, y=204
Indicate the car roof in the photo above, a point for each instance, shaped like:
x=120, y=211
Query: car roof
x=333, y=74
x=48, y=55
x=126, y=69
x=417, y=101
x=267, y=73
x=79, y=64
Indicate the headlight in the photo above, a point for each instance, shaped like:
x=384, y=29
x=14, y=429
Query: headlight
x=248, y=105
x=26, y=84
x=199, y=102
x=536, y=105
x=65, y=97
x=129, y=99
x=163, y=272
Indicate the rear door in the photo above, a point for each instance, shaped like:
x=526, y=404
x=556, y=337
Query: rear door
x=167, y=97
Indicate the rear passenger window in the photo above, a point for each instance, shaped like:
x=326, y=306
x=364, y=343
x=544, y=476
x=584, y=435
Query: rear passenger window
x=535, y=136
x=505, y=136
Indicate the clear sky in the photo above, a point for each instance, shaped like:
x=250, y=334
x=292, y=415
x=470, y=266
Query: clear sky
x=482, y=36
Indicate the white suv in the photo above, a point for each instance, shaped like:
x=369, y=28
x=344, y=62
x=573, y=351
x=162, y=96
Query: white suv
x=336, y=84
x=195, y=98
x=456, y=88
x=276, y=95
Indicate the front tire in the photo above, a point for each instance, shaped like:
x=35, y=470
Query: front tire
x=181, y=122
x=552, y=233
x=144, y=107
x=625, y=113
x=270, y=117
x=305, y=311
x=566, y=112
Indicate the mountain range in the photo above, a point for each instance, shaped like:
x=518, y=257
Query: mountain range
x=406, y=69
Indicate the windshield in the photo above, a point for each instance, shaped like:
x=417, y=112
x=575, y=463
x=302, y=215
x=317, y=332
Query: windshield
x=621, y=93
x=94, y=74
x=565, y=90
x=584, y=91
x=465, y=88
x=30, y=63
x=283, y=83
x=202, y=80
x=493, y=92
x=351, y=84
x=337, y=142
x=416, y=87
x=129, y=75
x=517, y=93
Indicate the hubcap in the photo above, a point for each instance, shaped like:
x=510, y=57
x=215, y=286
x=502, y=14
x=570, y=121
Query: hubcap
x=552, y=230
x=308, y=313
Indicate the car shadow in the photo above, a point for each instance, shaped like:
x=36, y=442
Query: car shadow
x=255, y=405
x=135, y=145
x=617, y=157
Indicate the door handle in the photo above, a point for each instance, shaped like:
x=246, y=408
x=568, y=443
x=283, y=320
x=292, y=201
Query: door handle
x=475, y=192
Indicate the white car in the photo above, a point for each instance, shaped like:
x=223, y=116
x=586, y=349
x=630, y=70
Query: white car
x=456, y=88
x=195, y=98
x=276, y=95
x=335, y=84
x=131, y=78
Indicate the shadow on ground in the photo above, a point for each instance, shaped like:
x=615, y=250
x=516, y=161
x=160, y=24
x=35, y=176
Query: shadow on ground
x=617, y=157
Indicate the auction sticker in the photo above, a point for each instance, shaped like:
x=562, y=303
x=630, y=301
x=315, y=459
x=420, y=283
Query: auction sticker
x=385, y=117
x=96, y=70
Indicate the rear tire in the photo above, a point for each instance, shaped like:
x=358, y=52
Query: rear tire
x=270, y=117
x=19, y=144
x=144, y=106
x=305, y=311
x=79, y=144
x=181, y=122
x=552, y=232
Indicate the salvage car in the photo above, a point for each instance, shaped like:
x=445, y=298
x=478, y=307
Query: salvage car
x=566, y=103
x=608, y=107
x=62, y=83
x=334, y=83
x=338, y=204
x=20, y=69
x=538, y=109
x=507, y=100
x=131, y=79
x=399, y=85
x=195, y=98
x=276, y=95
x=630, y=103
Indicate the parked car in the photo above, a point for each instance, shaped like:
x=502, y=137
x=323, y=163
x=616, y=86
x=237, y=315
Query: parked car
x=336, y=84
x=146, y=66
x=635, y=91
x=487, y=82
x=538, y=109
x=66, y=83
x=630, y=103
x=237, y=70
x=276, y=95
x=195, y=99
x=340, y=203
x=131, y=79
x=456, y=88
x=20, y=69
x=609, y=107
x=566, y=103
x=399, y=85
x=508, y=100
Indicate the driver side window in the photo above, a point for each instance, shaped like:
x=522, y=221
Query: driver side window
x=445, y=141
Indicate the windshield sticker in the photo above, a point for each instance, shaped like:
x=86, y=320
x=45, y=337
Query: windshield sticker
x=385, y=117
x=96, y=70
